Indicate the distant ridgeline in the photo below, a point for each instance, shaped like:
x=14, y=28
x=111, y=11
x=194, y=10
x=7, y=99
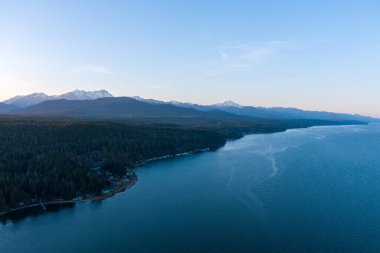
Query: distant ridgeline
x=102, y=104
x=59, y=149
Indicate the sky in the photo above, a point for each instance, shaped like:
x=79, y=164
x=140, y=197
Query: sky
x=314, y=54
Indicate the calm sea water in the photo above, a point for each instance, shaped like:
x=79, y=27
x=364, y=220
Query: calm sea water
x=307, y=190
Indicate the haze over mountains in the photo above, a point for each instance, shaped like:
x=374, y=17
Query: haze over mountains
x=116, y=107
x=6, y=108
x=35, y=98
x=102, y=104
x=266, y=113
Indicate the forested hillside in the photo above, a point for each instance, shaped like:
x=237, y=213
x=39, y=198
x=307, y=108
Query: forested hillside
x=49, y=160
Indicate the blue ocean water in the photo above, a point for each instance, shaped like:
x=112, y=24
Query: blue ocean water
x=303, y=190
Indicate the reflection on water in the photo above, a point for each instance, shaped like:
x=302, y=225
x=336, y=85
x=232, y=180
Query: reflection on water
x=35, y=211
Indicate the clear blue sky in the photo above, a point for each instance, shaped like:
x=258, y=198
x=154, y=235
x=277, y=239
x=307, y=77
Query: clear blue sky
x=312, y=54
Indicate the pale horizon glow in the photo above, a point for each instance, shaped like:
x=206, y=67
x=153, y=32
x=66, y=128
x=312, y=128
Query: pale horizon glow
x=313, y=55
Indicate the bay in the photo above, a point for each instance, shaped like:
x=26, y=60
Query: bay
x=303, y=190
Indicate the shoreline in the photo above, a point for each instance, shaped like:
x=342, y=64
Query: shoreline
x=127, y=185
x=43, y=205
x=165, y=157
x=123, y=187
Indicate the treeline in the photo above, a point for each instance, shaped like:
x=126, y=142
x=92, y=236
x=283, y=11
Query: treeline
x=234, y=128
x=42, y=160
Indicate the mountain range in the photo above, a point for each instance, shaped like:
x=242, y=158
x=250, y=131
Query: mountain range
x=117, y=107
x=280, y=113
x=101, y=104
x=36, y=98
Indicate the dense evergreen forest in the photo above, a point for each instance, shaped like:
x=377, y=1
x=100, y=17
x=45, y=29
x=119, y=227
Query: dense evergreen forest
x=44, y=160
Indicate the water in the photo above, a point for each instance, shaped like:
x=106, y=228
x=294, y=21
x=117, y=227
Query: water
x=307, y=190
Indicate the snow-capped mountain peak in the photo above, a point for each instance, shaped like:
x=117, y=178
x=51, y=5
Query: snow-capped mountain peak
x=227, y=103
x=36, y=98
x=28, y=100
x=149, y=100
x=84, y=95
